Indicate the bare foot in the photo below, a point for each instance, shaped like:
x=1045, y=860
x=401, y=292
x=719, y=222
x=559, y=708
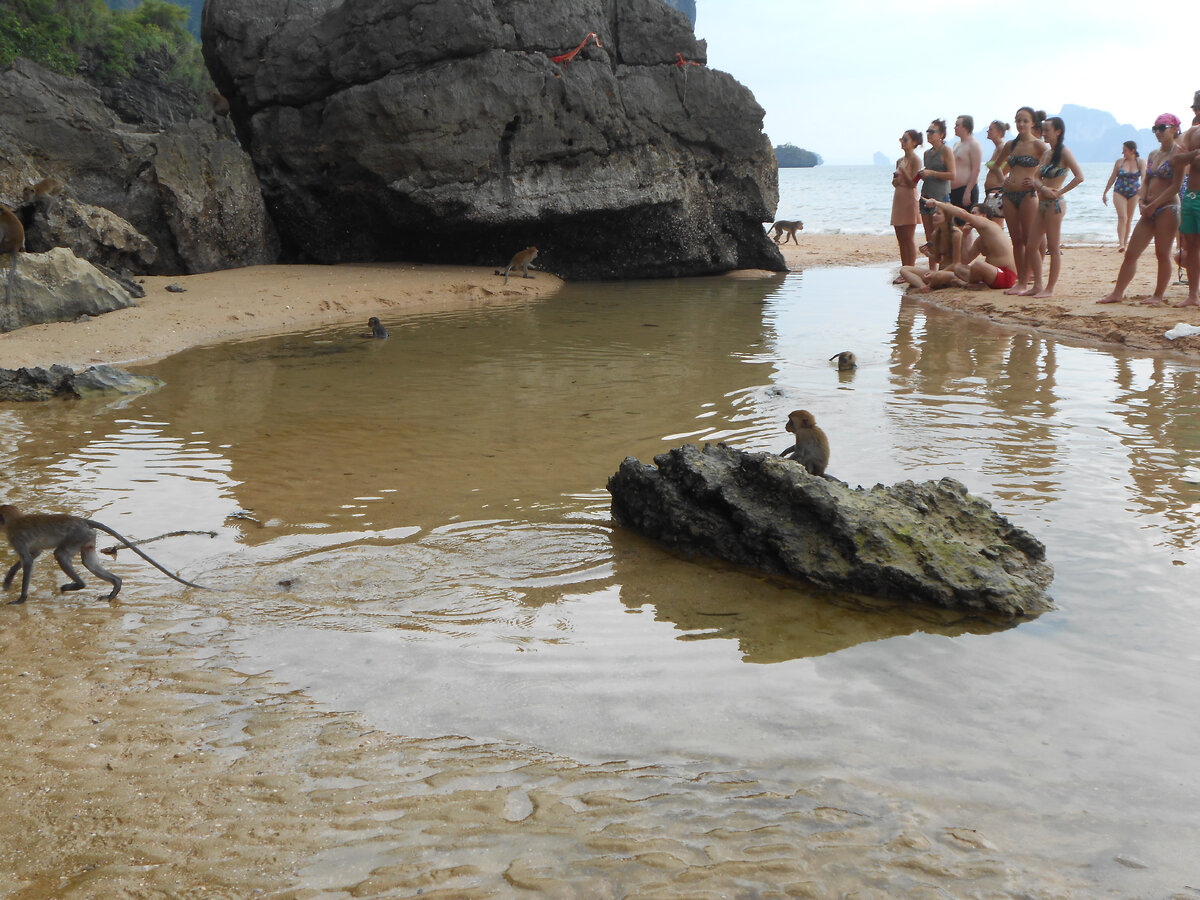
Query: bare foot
x=1032, y=292
x=924, y=289
x=1190, y=301
x=899, y=279
x=1153, y=301
x=1042, y=294
x=1111, y=298
x=1120, y=249
x=1016, y=290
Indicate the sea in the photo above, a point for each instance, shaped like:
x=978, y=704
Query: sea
x=858, y=200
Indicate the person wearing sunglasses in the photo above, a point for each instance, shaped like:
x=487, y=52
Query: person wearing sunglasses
x=1159, y=208
x=937, y=174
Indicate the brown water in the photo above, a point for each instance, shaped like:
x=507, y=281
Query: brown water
x=415, y=532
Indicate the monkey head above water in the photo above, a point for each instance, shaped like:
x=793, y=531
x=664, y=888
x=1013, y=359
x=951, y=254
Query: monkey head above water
x=845, y=360
x=522, y=260
x=66, y=535
x=377, y=329
x=811, y=449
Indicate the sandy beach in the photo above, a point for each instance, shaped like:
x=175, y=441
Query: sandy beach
x=264, y=300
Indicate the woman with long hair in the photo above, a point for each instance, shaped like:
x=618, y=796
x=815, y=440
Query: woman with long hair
x=944, y=250
x=938, y=171
x=905, y=212
x=1125, y=182
x=1158, y=203
x=1022, y=154
x=1048, y=186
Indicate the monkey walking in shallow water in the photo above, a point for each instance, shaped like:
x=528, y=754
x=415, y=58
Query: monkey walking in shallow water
x=811, y=449
x=523, y=260
x=67, y=535
x=12, y=240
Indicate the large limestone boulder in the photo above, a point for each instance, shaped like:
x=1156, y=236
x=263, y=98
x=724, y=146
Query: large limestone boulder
x=931, y=543
x=35, y=384
x=401, y=129
x=188, y=191
x=57, y=286
x=92, y=232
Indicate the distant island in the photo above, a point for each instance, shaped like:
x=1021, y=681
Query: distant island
x=792, y=157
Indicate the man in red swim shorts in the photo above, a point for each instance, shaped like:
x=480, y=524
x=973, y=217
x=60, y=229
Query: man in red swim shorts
x=997, y=268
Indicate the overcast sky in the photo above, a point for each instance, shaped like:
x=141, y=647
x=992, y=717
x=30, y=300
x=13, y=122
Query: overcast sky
x=845, y=78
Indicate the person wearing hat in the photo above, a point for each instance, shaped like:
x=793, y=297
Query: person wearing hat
x=1186, y=152
x=1159, y=207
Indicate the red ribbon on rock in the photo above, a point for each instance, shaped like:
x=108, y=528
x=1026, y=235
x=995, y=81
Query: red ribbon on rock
x=681, y=62
x=567, y=57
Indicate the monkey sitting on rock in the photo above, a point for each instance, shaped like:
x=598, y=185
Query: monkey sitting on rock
x=811, y=449
x=66, y=535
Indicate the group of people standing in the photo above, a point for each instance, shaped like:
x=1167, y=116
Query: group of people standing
x=965, y=243
x=1026, y=179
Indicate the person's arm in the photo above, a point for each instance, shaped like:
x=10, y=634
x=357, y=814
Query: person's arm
x=1076, y=181
x=956, y=242
x=1111, y=181
x=976, y=161
x=949, y=160
x=978, y=222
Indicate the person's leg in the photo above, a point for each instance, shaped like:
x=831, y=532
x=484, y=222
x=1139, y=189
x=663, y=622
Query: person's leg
x=1012, y=218
x=1052, y=222
x=1166, y=226
x=1028, y=213
x=1033, y=254
x=1189, y=226
x=1139, y=239
x=1123, y=205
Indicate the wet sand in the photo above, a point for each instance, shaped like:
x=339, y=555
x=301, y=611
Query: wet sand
x=142, y=761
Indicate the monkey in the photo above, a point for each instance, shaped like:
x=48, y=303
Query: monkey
x=524, y=259
x=218, y=111
x=811, y=449
x=47, y=187
x=845, y=360
x=786, y=226
x=377, y=329
x=31, y=534
x=12, y=240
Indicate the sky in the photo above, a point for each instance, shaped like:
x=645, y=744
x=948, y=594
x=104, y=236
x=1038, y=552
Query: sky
x=845, y=78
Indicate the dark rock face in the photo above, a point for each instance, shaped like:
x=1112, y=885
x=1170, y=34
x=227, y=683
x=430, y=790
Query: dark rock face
x=32, y=384
x=191, y=194
x=933, y=542
x=399, y=129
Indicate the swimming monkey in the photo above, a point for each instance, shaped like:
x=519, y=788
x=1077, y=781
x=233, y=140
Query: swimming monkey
x=845, y=360
x=67, y=535
x=811, y=449
x=782, y=226
x=12, y=241
x=377, y=329
x=523, y=260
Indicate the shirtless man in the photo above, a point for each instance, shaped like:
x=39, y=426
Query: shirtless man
x=1187, y=151
x=995, y=267
x=968, y=157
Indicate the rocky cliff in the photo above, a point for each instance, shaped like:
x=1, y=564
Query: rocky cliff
x=401, y=129
x=173, y=201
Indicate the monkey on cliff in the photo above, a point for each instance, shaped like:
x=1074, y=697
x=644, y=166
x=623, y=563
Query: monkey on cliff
x=811, y=449
x=67, y=535
x=12, y=241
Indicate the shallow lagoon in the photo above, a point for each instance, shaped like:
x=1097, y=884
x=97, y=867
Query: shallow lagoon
x=415, y=532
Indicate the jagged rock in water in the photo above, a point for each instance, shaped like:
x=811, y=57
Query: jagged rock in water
x=57, y=286
x=35, y=383
x=190, y=192
x=932, y=543
x=400, y=129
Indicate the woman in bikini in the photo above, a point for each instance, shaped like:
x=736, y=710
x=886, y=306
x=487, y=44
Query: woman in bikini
x=1158, y=204
x=905, y=214
x=944, y=251
x=1020, y=203
x=1056, y=162
x=1126, y=183
x=938, y=171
